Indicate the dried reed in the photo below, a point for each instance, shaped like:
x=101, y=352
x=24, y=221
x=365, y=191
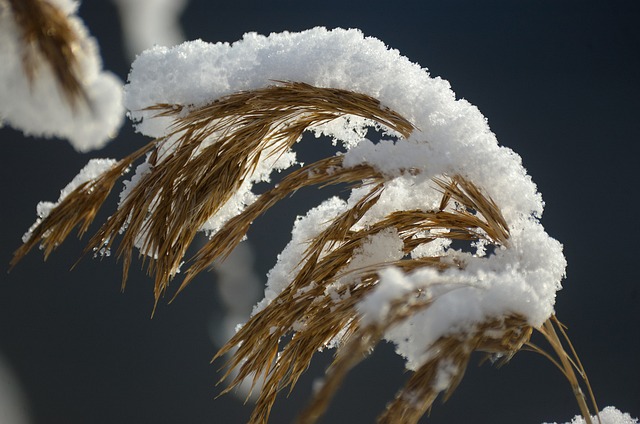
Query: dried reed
x=568, y=363
x=79, y=208
x=208, y=154
x=216, y=147
x=322, y=314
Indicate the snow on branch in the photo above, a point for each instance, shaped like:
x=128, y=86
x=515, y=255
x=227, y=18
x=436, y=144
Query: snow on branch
x=438, y=247
x=52, y=81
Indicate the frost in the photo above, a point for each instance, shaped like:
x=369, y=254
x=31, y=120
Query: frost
x=453, y=135
x=39, y=107
x=447, y=372
x=289, y=259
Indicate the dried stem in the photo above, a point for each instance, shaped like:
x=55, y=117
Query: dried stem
x=568, y=363
x=324, y=172
x=442, y=372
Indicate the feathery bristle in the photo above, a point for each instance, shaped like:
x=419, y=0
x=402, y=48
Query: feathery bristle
x=78, y=208
x=215, y=148
x=324, y=172
x=321, y=316
x=170, y=204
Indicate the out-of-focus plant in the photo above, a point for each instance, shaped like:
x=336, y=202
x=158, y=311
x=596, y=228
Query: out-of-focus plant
x=52, y=78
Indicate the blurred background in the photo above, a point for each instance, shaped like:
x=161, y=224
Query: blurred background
x=558, y=82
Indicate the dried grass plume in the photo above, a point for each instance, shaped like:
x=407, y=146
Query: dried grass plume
x=207, y=156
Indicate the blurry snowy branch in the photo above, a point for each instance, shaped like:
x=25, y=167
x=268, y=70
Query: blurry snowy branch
x=13, y=406
x=53, y=84
x=146, y=23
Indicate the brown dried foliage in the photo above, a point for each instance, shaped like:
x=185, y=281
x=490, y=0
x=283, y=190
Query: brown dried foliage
x=318, y=308
x=214, y=149
x=569, y=364
x=321, y=173
x=452, y=354
x=78, y=209
x=47, y=35
x=320, y=302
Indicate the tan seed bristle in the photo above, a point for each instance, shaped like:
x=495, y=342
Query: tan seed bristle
x=215, y=148
x=322, y=318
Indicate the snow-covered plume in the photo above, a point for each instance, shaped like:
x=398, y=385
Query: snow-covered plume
x=438, y=247
x=52, y=82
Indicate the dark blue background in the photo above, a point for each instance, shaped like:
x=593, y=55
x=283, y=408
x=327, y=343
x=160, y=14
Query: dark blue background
x=558, y=81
